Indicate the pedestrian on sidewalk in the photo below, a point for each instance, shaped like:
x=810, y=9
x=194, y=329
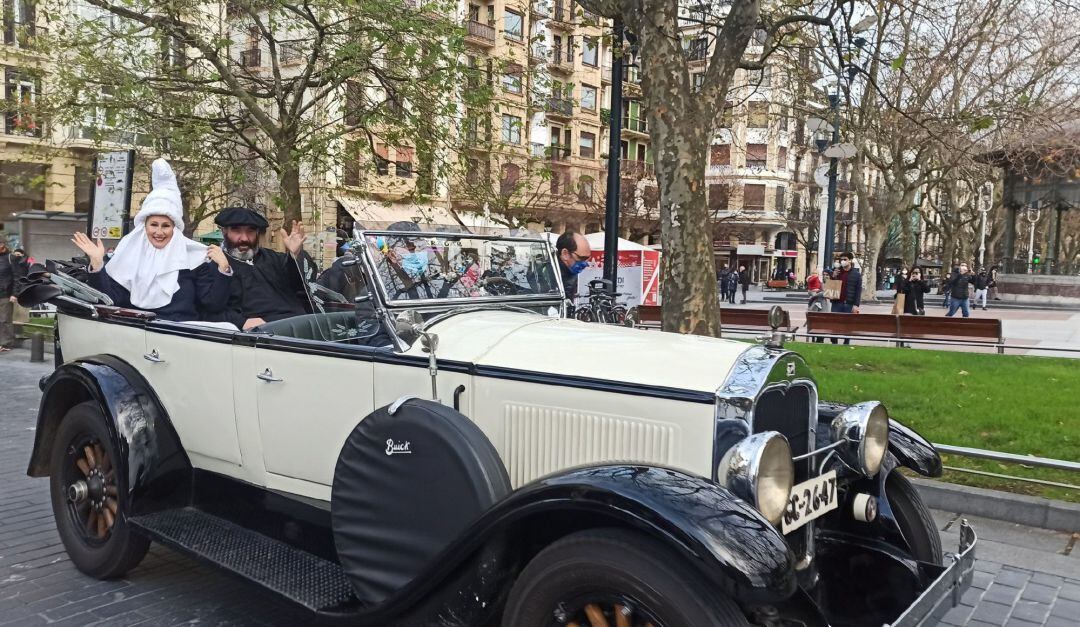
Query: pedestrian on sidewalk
x=993, y=292
x=957, y=288
x=731, y=285
x=9, y=268
x=851, y=288
x=744, y=281
x=913, y=289
x=982, y=285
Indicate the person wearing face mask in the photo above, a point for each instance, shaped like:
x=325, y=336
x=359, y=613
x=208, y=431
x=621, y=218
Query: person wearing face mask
x=155, y=267
x=957, y=288
x=8, y=274
x=269, y=285
x=574, y=252
x=851, y=287
x=913, y=290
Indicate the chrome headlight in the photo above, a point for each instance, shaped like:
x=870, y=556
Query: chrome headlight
x=864, y=429
x=759, y=470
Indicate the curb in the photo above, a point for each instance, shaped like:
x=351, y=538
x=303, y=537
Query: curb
x=1032, y=511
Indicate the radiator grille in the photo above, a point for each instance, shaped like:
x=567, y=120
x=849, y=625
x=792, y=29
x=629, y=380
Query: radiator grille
x=788, y=412
x=541, y=440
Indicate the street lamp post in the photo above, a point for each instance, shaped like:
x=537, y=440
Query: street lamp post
x=611, y=202
x=830, y=219
x=984, y=208
x=1032, y=215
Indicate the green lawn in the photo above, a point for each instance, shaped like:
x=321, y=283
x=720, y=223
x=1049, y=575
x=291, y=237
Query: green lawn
x=1025, y=405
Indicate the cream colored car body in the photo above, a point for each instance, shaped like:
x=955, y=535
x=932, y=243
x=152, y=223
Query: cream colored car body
x=277, y=417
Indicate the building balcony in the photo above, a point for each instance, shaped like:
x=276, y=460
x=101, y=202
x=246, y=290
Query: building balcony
x=251, y=58
x=560, y=63
x=21, y=125
x=559, y=154
x=559, y=107
x=637, y=169
x=541, y=8
x=563, y=16
x=479, y=34
x=637, y=127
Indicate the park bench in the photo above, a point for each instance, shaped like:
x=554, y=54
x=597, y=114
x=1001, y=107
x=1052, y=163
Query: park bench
x=777, y=284
x=731, y=319
x=900, y=328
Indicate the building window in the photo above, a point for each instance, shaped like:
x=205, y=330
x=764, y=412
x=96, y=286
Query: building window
x=757, y=155
x=720, y=154
x=404, y=164
x=509, y=178
x=718, y=196
x=759, y=114
x=698, y=49
x=699, y=80
x=22, y=100
x=382, y=160
x=587, y=142
x=472, y=175
x=556, y=183
x=512, y=79
x=511, y=129
x=588, y=98
x=350, y=164
x=590, y=54
x=781, y=198
x=586, y=188
x=781, y=158
x=753, y=198
x=727, y=115
x=512, y=25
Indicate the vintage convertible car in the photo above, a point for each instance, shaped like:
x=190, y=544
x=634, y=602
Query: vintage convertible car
x=438, y=444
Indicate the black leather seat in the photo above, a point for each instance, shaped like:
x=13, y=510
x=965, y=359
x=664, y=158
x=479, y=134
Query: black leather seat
x=339, y=326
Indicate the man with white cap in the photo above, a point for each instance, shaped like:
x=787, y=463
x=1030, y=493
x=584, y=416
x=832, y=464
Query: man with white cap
x=155, y=267
x=269, y=285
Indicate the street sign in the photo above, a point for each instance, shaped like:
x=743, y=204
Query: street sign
x=111, y=202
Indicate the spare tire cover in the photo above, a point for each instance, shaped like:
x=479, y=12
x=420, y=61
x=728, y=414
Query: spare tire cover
x=406, y=486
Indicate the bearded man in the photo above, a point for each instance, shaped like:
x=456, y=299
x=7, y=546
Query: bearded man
x=271, y=285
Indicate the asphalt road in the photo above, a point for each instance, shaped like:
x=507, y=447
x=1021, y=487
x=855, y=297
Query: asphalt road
x=1025, y=576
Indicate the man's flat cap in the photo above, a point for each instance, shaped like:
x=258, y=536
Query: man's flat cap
x=241, y=216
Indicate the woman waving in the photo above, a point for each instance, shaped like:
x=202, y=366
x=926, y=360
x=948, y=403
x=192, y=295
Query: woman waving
x=155, y=267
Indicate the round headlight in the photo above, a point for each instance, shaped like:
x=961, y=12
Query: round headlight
x=865, y=430
x=759, y=470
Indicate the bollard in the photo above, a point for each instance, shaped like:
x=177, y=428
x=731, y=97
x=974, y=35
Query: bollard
x=37, y=348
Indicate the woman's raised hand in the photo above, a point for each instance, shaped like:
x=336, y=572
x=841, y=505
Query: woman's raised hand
x=94, y=250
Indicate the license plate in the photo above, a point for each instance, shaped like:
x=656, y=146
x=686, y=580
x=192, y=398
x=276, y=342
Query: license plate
x=809, y=500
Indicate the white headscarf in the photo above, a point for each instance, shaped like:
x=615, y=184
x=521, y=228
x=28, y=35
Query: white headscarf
x=148, y=273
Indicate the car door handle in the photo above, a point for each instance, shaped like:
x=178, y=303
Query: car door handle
x=153, y=356
x=268, y=376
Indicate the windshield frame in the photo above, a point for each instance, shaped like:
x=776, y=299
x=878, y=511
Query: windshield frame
x=374, y=279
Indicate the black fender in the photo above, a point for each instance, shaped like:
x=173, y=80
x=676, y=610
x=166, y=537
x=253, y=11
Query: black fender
x=725, y=538
x=910, y=449
x=150, y=452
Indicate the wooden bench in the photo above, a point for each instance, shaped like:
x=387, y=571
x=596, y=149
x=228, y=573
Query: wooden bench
x=899, y=328
x=733, y=319
x=777, y=284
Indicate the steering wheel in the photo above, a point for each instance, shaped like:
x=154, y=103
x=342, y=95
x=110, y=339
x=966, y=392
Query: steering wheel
x=500, y=286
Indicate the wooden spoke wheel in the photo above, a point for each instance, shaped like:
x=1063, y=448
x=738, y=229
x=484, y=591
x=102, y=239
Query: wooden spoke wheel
x=89, y=496
x=615, y=578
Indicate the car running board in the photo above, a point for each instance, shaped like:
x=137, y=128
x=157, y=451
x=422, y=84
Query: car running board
x=299, y=576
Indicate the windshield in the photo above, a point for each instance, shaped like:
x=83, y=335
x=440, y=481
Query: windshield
x=415, y=267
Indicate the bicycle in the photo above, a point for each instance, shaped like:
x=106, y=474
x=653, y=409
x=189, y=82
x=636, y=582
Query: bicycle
x=602, y=306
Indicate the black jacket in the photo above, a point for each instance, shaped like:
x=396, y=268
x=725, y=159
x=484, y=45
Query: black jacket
x=7, y=275
x=982, y=281
x=569, y=282
x=913, y=295
x=203, y=294
x=271, y=287
x=958, y=284
x=744, y=278
x=852, y=294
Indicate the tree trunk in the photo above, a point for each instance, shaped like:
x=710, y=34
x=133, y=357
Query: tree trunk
x=691, y=303
x=875, y=239
x=289, y=193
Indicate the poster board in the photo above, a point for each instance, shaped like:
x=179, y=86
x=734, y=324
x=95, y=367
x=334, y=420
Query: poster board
x=110, y=203
x=638, y=276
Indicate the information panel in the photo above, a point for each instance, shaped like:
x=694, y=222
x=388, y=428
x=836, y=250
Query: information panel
x=112, y=194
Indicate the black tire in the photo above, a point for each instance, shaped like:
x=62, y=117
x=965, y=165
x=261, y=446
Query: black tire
x=606, y=566
x=119, y=549
x=914, y=519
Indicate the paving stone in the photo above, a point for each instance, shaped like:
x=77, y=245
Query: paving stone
x=981, y=580
x=993, y=613
x=1000, y=593
x=1039, y=593
x=1069, y=591
x=1012, y=577
x=1030, y=611
x=1066, y=609
x=957, y=616
x=1057, y=621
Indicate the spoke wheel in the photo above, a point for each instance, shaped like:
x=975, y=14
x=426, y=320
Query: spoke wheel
x=615, y=578
x=89, y=496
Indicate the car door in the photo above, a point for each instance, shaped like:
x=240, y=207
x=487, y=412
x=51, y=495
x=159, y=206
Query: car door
x=310, y=395
x=191, y=370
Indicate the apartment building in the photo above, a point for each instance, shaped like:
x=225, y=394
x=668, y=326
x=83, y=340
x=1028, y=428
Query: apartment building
x=40, y=169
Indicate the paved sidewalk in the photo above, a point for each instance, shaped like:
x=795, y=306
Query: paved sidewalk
x=1025, y=576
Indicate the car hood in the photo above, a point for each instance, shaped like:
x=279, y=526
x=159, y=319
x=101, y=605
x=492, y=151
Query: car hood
x=569, y=347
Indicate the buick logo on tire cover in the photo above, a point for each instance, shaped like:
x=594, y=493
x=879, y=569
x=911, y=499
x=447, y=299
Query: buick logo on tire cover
x=397, y=448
